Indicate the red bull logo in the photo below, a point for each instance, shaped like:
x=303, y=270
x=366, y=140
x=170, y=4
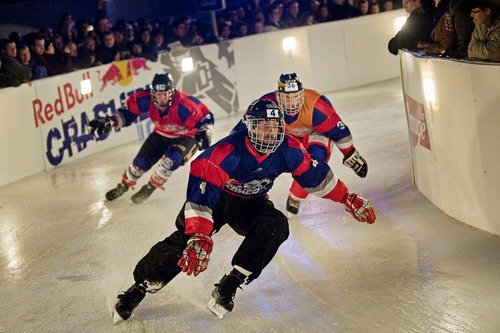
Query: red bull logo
x=122, y=72
x=417, y=124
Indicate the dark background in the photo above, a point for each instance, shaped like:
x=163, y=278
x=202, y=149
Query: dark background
x=40, y=13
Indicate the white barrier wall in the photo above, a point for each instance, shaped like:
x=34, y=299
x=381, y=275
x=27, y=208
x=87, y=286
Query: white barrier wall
x=454, y=140
x=43, y=124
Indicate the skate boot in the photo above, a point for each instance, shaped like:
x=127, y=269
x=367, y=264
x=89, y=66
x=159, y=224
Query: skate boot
x=144, y=193
x=116, y=192
x=223, y=295
x=292, y=206
x=128, y=301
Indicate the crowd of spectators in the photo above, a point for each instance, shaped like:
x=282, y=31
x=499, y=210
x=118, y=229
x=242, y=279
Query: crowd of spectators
x=83, y=43
x=460, y=29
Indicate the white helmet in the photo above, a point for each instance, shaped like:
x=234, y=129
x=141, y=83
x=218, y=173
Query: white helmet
x=290, y=94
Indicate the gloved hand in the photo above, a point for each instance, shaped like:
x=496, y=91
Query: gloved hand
x=203, y=138
x=357, y=163
x=100, y=126
x=360, y=208
x=196, y=255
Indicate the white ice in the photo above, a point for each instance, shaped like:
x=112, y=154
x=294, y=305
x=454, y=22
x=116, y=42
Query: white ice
x=65, y=253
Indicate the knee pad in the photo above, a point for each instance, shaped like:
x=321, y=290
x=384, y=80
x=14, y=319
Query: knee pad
x=133, y=173
x=168, y=164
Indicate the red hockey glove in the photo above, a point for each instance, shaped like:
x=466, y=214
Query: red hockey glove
x=196, y=255
x=360, y=208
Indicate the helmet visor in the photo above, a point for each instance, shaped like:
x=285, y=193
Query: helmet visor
x=290, y=102
x=266, y=135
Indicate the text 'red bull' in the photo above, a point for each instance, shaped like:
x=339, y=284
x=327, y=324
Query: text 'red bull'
x=67, y=98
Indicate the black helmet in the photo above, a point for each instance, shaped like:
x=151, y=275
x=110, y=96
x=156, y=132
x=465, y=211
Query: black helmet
x=266, y=125
x=162, y=82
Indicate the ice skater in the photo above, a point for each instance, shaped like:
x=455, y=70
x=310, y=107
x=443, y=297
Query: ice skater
x=228, y=184
x=311, y=118
x=182, y=125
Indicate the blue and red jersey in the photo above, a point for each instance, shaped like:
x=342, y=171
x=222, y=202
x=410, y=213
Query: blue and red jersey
x=184, y=117
x=317, y=115
x=234, y=166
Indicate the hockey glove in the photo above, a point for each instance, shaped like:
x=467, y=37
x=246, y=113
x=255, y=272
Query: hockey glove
x=360, y=208
x=101, y=126
x=203, y=138
x=196, y=255
x=357, y=163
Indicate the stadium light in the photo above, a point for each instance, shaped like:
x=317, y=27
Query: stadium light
x=85, y=87
x=187, y=64
x=430, y=90
x=289, y=44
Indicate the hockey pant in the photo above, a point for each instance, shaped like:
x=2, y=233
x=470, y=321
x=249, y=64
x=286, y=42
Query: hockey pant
x=320, y=147
x=263, y=227
x=172, y=153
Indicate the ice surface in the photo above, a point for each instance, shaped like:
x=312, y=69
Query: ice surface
x=65, y=253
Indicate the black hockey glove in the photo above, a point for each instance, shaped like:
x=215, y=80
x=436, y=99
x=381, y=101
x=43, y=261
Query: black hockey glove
x=203, y=138
x=100, y=126
x=357, y=163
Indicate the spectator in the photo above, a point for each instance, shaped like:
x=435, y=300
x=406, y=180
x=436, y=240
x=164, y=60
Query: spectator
x=224, y=30
x=147, y=44
x=311, y=5
x=41, y=66
x=273, y=20
x=159, y=40
x=485, y=39
x=291, y=15
x=417, y=28
x=178, y=33
x=462, y=27
x=86, y=53
x=59, y=62
x=128, y=33
x=323, y=14
x=363, y=7
x=24, y=55
x=13, y=72
x=107, y=52
x=442, y=34
x=340, y=10
x=387, y=5
x=307, y=18
x=374, y=8
x=240, y=29
x=258, y=26
x=47, y=32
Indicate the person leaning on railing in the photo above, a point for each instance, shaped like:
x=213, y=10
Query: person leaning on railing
x=485, y=39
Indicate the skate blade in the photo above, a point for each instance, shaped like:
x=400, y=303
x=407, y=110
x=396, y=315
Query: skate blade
x=117, y=318
x=217, y=310
x=290, y=215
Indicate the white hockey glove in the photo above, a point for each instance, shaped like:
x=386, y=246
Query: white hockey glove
x=196, y=255
x=357, y=163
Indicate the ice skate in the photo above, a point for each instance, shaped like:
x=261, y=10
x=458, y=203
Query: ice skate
x=144, y=193
x=222, y=300
x=127, y=302
x=292, y=207
x=116, y=192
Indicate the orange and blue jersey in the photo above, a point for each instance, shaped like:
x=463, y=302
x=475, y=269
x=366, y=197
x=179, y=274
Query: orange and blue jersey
x=234, y=166
x=183, y=117
x=317, y=115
